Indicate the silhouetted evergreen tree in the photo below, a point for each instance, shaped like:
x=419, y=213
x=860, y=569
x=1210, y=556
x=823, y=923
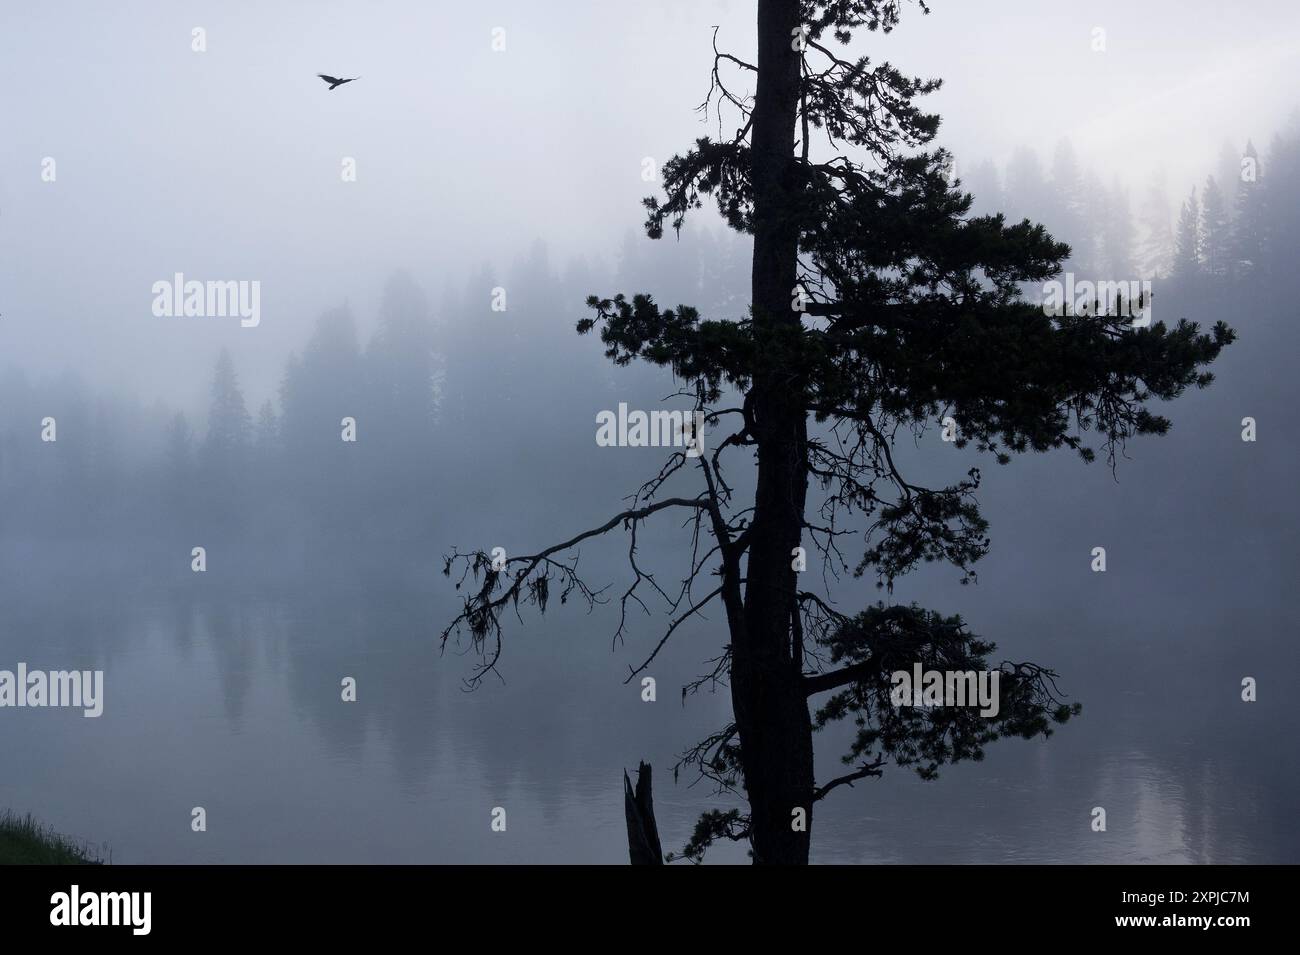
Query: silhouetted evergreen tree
x=1227, y=170
x=469, y=346
x=402, y=363
x=984, y=183
x=878, y=304
x=318, y=391
x=267, y=436
x=1248, y=223
x=229, y=425
x=224, y=457
x=1187, y=240
x=1216, y=238
x=1281, y=219
x=1115, y=253
x=1066, y=216
x=321, y=388
x=1156, y=242
x=178, y=451
x=1027, y=192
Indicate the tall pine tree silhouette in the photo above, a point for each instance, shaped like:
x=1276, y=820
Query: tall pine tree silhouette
x=229, y=424
x=879, y=305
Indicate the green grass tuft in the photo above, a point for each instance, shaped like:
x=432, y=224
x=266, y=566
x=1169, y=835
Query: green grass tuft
x=24, y=841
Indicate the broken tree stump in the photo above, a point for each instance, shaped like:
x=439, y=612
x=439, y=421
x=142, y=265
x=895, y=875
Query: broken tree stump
x=642, y=831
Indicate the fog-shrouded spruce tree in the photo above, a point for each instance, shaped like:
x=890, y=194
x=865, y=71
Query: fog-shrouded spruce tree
x=879, y=307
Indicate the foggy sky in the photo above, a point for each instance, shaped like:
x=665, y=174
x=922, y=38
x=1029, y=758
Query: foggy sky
x=226, y=164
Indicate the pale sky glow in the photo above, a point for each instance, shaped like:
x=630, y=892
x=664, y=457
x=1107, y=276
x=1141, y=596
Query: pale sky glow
x=226, y=162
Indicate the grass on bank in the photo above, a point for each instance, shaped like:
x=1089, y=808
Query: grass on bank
x=24, y=841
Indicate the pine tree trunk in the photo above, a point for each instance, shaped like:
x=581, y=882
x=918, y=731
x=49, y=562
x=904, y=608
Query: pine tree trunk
x=770, y=704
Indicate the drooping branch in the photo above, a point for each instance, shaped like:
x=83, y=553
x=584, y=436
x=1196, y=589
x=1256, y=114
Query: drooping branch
x=481, y=611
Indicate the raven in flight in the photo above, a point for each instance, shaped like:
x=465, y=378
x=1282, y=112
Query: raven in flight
x=334, y=81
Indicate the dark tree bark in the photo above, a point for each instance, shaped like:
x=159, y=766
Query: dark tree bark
x=642, y=830
x=770, y=703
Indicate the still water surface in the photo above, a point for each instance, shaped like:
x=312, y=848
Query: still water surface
x=233, y=703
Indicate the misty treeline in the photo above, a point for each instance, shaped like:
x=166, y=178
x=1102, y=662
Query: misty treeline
x=457, y=405
x=452, y=402
x=1240, y=222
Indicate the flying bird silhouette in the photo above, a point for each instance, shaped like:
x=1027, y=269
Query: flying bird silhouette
x=334, y=81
